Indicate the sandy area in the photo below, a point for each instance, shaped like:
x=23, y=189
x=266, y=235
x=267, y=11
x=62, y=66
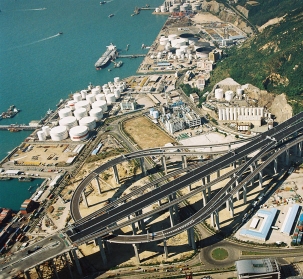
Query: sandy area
x=204, y=17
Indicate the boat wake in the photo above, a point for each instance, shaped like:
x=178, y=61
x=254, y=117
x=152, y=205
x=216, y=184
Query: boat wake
x=35, y=42
x=26, y=10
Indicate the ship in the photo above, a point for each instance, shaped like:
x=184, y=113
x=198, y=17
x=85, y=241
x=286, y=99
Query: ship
x=111, y=15
x=10, y=113
x=102, y=2
x=24, y=179
x=118, y=64
x=110, y=54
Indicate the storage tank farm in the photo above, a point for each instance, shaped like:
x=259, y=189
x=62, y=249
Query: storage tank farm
x=79, y=133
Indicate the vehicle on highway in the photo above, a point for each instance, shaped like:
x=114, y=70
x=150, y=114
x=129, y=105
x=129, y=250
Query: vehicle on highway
x=30, y=251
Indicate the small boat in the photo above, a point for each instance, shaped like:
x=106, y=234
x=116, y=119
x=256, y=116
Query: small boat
x=102, y=2
x=5, y=178
x=118, y=64
x=24, y=179
x=111, y=15
x=30, y=187
x=60, y=33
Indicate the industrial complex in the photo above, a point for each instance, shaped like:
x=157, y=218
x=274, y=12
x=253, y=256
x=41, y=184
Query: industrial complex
x=199, y=186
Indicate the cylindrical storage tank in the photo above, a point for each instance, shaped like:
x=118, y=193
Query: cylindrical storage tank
x=110, y=98
x=78, y=133
x=105, y=86
x=90, y=98
x=164, y=41
x=159, y=55
x=100, y=97
x=155, y=114
x=219, y=93
x=100, y=104
x=162, y=9
x=41, y=136
x=89, y=122
x=83, y=104
x=65, y=112
x=196, y=7
x=68, y=122
x=270, y=124
x=106, y=91
x=229, y=95
x=80, y=113
x=117, y=93
x=157, y=10
x=96, y=113
x=172, y=9
x=167, y=47
x=46, y=130
x=179, y=52
x=71, y=104
x=83, y=94
x=96, y=90
x=182, y=9
x=184, y=48
x=77, y=97
x=151, y=110
x=58, y=133
x=172, y=37
x=116, y=79
x=240, y=93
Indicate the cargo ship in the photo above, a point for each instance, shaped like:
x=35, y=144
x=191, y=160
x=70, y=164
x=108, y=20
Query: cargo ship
x=110, y=54
x=10, y=113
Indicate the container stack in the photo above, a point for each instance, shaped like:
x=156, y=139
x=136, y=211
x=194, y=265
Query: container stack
x=27, y=206
x=5, y=215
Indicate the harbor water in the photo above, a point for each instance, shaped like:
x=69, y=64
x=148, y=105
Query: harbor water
x=39, y=66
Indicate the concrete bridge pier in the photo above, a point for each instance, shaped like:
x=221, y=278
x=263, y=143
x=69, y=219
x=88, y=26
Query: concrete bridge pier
x=244, y=194
x=163, y=161
x=191, y=238
x=68, y=266
x=209, y=188
x=74, y=256
x=231, y=207
x=184, y=161
x=53, y=265
x=204, y=197
x=176, y=209
x=141, y=223
x=133, y=226
x=287, y=157
x=98, y=184
x=39, y=272
x=171, y=216
x=136, y=252
x=214, y=218
x=260, y=178
x=143, y=169
x=84, y=198
x=26, y=274
x=218, y=173
x=189, y=188
x=299, y=149
x=275, y=165
x=102, y=250
x=116, y=174
x=165, y=249
x=203, y=181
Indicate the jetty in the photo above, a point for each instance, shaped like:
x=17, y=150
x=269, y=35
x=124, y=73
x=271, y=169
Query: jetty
x=16, y=128
x=131, y=55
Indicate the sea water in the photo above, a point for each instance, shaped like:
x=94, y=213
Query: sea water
x=38, y=66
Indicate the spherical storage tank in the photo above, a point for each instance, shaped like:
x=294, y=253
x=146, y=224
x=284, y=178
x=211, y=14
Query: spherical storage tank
x=83, y=104
x=91, y=98
x=41, y=136
x=80, y=113
x=219, y=94
x=96, y=113
x=58, y=133
x=229, y=95
x=78, y=133
x=77, y=97
x=46, y=130
x=65, y=112
x=89, y=122
x=100, y=104
x=68, y=122
x=110, y=98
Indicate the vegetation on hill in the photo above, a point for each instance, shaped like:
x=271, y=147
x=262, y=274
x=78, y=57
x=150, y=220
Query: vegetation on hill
x=261, y=11
x=272, y=60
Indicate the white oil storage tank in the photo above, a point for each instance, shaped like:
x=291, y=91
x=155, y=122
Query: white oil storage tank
x=116, y=79
x=100, y=104
x=240, y=93
x=96, y=113
x=117, y=93
x=229, y=95
x=71, y=104
x=90, y=98
x=219, y=94
x=80, y=113
x=46, y=130
x=78, y=133
x=172, y=37
x=155, y=114
x=83, y=94
x=162, y=9
x=65, y=112
x=89, y=122
x=96, y=90
x=58, y=133
x=77, y=97
x=68, y=122
x=83, y=104
x=100, y=97
x=110, y=98
x=106, y=91
x=41, y=136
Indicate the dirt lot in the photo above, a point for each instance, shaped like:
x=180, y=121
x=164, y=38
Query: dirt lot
x=145, y=133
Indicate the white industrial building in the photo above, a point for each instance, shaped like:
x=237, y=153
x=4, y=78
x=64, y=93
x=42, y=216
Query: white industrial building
x=128, y=104
x=174, y=125
x=192, y=119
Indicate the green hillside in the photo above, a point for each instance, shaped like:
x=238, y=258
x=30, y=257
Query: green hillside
x=272, y=60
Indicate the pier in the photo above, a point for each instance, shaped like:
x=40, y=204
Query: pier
x=130, y=55
x=17, y=128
